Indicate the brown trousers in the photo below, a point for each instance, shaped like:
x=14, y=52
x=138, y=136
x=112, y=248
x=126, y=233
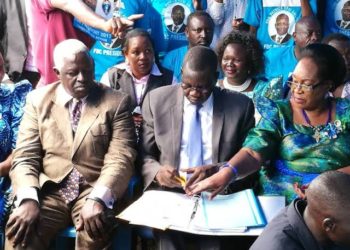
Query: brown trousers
x=56, y=215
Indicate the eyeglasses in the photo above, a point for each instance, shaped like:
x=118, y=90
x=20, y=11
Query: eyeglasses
x=203, y=90
x=303, y=86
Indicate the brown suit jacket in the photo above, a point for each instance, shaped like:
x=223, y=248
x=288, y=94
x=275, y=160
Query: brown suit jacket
x=102, y=149
x=233, y=116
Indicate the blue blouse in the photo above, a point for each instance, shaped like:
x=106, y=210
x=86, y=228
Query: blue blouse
x=12, y=100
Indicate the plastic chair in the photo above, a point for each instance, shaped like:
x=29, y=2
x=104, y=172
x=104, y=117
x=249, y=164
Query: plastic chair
x=121, y=239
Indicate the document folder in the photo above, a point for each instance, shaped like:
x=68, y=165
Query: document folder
x=224, y=215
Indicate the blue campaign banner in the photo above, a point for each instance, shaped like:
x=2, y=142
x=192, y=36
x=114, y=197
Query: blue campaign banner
x=103, y=8
x=96, y=34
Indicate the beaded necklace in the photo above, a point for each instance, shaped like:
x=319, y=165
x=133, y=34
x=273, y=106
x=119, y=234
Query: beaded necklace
x=240, y=88
x=329, y=130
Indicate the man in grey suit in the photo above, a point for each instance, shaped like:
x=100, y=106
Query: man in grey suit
x=223, y=119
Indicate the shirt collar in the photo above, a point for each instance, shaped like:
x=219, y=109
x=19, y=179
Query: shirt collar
x=207, y=105
x=283, y=36
x=65, y=97
x=154, y=71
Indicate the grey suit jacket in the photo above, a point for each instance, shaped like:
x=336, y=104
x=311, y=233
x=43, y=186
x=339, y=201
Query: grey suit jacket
x=233, y=116
x=102, y=149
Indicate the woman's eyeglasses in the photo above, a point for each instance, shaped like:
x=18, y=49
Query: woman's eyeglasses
x=303, y=86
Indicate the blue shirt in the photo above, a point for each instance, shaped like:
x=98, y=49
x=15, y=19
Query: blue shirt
x=262, y=14
x=173, y=61
x=12, y=99
x=333, y=18
x=280, y=62
x=105, y=56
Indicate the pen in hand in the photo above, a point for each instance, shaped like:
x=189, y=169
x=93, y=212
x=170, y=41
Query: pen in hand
x=195, y=207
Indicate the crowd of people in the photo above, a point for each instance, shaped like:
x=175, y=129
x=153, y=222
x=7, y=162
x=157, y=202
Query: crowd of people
x=190, y=95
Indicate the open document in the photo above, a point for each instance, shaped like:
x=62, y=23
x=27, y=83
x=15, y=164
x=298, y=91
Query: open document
x=224, y=215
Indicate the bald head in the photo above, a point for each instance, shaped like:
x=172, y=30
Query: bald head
x=327, y=214
x=199, y=74
x=200, y=59
x=331, y=191
x=307, y=31
x=306, y=21
x=68, y=49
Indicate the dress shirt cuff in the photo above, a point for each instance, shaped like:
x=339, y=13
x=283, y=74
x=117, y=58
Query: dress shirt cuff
x=104, y=193
x=25, y=193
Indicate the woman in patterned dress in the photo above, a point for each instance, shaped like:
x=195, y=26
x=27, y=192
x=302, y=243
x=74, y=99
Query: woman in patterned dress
x=301, y=137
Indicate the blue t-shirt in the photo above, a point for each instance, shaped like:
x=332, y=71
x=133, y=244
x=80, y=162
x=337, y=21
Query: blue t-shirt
x=262, y=14
x=173, y=61
x=280, y=62
x=333, y=20
x=106, y=53
x=105, y=56
x=158, y=22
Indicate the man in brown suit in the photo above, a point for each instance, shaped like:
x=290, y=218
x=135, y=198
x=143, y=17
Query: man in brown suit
x=74, y=156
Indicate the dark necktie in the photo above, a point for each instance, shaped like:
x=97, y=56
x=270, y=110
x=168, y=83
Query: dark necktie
x=76, y=114
x=69, y=188
x=175, y=28
x=195, y=144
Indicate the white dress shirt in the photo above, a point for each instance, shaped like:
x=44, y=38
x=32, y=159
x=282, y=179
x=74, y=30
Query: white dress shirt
x=206, y=116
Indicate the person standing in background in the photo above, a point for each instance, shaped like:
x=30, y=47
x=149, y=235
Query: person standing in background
x=199, y=31
x=15, y=41
x=227, y=15
x=157, y=18
x=52, y=23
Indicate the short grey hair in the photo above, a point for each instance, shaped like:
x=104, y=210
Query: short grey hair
x=67, y=49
